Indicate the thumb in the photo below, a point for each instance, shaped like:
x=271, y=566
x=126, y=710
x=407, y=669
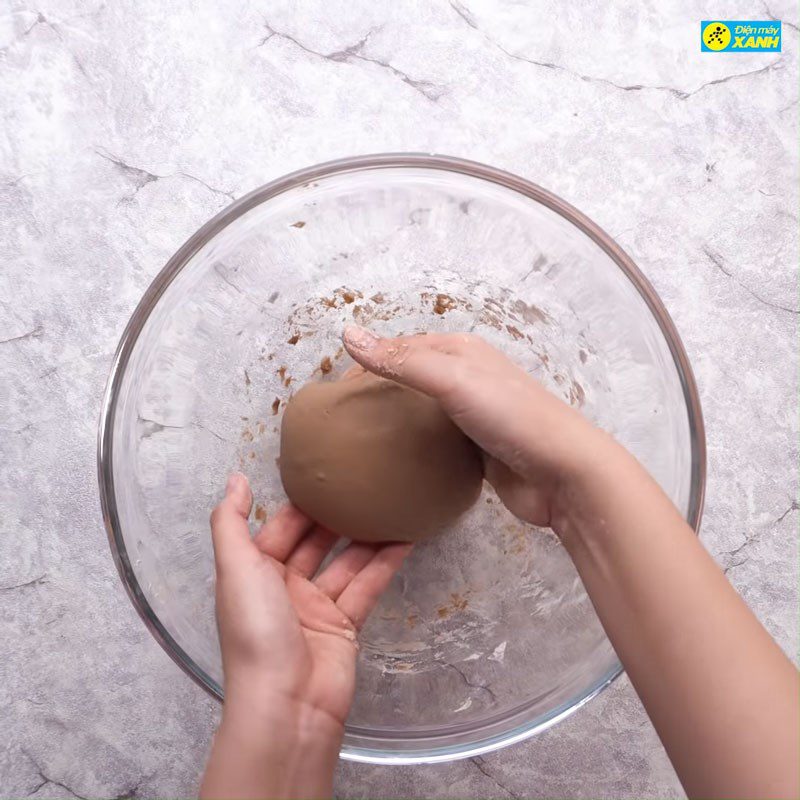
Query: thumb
x=420, y=362
x=230, y=532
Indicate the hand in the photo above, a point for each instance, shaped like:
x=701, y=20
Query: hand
x=721, y=693
x=288, y=643
x=532, y=440
x=282, y=630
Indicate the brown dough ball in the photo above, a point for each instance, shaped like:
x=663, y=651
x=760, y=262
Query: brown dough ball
x=374, y=461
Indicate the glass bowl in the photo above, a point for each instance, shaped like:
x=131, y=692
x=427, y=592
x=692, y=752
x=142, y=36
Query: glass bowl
x=486, y=636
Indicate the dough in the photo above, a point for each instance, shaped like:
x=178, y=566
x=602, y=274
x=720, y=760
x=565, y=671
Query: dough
x=374, y=461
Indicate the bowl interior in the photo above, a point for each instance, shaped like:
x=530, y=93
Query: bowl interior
x=487, y=634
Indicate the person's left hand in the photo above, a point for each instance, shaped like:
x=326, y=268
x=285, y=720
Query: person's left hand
x=286, y=634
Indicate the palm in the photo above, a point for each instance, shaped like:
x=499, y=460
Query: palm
x=282, y=623
x=326, y=660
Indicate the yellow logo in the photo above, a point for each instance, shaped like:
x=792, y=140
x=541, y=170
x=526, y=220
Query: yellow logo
x=716, y=36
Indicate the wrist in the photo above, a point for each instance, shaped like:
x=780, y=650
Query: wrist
x=275, y=747
x=276, y=719
x=598, y=467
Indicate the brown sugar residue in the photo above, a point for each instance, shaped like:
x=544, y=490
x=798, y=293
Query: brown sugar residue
x=494, y=314
x=559, y=379
x=362, y=313
x=299, y=224
x=577, y=395
x=529, y=313
x=247, y=435
x=304, y=319
x=443, y=303
x=515, y=332
x=487, y=317
x=411, y=620
x=517, y=540
x=385, y=309
x=252, y=455
x=457, y=603
x=494, y=307
x=261, y=428
x=326, y=364
x=341, y=297
x=285, y=379
x=347, y=296
x=276, y=404
x=497, y=306
x=260, y=513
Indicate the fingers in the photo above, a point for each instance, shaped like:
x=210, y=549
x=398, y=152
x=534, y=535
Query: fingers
x=311, y=552
x=364, y=590
x=280, y=535
x=425, y=363
x=230, y=532
x=315, y=611
x=334, y=579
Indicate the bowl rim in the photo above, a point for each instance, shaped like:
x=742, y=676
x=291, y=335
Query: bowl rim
x=130, y=335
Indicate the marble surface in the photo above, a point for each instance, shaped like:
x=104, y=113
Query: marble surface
x=128, y=124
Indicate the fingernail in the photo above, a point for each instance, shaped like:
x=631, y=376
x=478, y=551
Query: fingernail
x=236, y=481
x=360, y=338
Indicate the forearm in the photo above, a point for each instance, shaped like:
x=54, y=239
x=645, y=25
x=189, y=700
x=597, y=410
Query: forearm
x=721, y=694
x=281, y=749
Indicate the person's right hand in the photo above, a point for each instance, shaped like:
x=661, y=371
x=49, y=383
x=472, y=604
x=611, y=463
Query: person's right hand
x=720, y=692
x=533, y=441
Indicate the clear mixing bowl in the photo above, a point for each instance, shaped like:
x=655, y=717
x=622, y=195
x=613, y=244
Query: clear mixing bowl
x=486, y=636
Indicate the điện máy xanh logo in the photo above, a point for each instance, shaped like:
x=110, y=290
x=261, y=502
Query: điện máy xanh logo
x=740, y=36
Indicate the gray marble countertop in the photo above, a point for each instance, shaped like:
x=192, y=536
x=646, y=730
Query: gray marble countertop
x=128, y=124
